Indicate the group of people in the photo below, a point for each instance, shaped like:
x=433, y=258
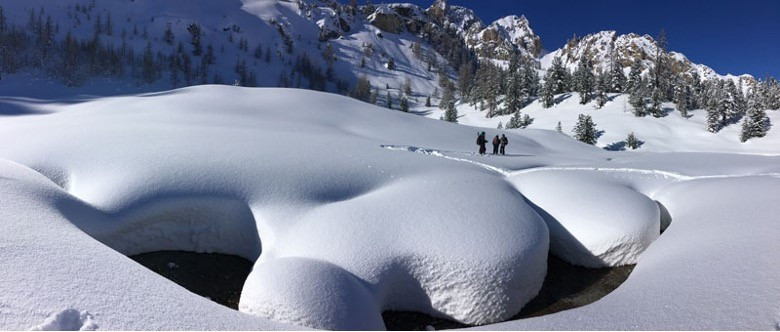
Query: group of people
x=499, y=144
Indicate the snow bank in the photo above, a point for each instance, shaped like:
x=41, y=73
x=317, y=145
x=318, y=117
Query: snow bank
x=709, y=271
x=343, y=225
x=595, y=220
x=299, y=174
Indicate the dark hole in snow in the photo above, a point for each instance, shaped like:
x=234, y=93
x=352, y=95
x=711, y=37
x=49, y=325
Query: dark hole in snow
x=218, y=277
x=666, y=217
x=221, y=277
x=565, y=287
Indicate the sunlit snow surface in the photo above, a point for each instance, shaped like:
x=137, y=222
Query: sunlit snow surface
x=351, y=210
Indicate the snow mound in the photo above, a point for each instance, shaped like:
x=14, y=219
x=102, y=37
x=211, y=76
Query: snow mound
x=283, y=289
x=345, y=223
x=68, y=320
x=595, y=220
x=300, y=174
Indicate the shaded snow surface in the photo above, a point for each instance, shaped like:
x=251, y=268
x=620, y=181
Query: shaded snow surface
x=350, y=210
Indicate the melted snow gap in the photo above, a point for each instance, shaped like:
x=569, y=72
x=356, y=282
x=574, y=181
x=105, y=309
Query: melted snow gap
x=217, y=277
x=566, y=286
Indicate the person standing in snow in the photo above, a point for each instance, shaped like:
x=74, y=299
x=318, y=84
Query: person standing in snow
x=496, y=143
x=504, y=143
x=481, y=141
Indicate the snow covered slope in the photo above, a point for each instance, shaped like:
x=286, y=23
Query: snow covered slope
x=349, y=209
x=670, y=133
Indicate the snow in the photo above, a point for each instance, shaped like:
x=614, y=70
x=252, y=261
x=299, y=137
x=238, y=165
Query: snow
x=708, y=270
x=595, y=220
x=68, y=320
x=142, y=178
x=670, y=133
x=349, y=210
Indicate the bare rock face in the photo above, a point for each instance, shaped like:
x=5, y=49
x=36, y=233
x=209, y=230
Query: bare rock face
x=386, y=21
x=396, y=18
x=504, y=38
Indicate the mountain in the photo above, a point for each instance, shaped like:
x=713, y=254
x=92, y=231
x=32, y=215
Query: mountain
x=602, y=48
x=398, y=55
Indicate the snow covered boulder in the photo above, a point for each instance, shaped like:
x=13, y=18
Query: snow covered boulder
x=596, y=219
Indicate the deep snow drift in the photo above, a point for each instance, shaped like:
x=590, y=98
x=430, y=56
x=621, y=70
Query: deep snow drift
x=349, y=210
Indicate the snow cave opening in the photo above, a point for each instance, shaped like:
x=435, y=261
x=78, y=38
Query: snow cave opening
x=205, y=244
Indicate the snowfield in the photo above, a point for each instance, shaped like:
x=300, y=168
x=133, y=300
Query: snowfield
x=670, y=133
x=349, y=210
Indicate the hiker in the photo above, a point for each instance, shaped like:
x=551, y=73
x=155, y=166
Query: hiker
x=496, y=142
x=481, y=141
x=504, y=143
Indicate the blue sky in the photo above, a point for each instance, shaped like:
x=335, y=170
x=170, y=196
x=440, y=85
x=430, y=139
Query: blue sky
x=737, y=36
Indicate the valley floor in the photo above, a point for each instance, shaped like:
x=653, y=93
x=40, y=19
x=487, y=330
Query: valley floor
x=347, y=210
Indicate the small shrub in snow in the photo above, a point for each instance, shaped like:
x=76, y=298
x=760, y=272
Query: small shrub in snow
x=631, y=142
x=519, y=120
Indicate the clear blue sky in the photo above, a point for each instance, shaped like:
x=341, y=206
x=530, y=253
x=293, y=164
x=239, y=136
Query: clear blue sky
x=737, y=36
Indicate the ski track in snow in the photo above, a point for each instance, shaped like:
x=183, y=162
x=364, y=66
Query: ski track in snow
x=508, y=173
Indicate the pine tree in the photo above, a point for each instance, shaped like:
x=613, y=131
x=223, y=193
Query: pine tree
x=637, y=100
x=516, y=121
x=209, y=57
x=391, y=64
x=500, y=125
x=530, y=81
x=109, y=26
x=258, y=53
x=513, y=102
x=617, y=79
x=559, y=76
x=585, y=130
x=362, y=89
x=389, y=100
x=148, y=67
x=168, y=35
x=195, y=34
x=448, y=97
x=631, y=142
x=682, y=97
x=601, y=91
x=407, y=87
x=559, y=128
x=756, y=123
x=404, y=104
x=466, y=81
x=451, y=113
x=428, y=101
x=374, y=96
x=526, y=121
x=657, y=97
x=584, y=80
x=547, y=94
x=634, y=77
x=713, y=120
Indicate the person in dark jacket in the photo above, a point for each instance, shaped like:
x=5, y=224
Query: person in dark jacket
x=496, y=143
x=504, y=143
x=481, y=141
